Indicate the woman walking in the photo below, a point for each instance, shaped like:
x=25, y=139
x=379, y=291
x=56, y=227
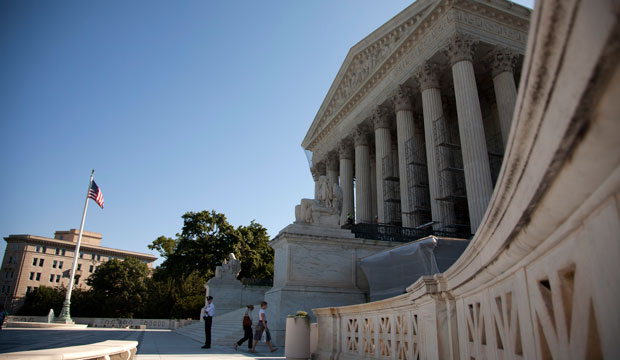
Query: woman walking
x=262, y=326
x=247, y=328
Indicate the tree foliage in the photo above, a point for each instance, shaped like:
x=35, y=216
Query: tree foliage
x=174, y=290
x=120, y=287
x=39, y=301
x=206, y=240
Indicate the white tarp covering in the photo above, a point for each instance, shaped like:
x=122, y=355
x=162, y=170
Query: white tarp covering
x=390, y=272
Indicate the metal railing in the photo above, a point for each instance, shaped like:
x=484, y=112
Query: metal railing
x=393, y=233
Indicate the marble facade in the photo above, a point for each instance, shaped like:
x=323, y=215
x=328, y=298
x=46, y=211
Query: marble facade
x=540, y=278
x=422, y=106
x=409, y=133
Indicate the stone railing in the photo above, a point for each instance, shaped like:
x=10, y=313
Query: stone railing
x=110, y=349
x=540, y=280
x=113, y=322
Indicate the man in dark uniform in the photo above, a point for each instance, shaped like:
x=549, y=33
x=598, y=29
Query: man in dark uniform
x=208, y=318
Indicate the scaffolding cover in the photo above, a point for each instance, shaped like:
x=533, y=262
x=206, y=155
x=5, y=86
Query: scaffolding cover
x=390, y=272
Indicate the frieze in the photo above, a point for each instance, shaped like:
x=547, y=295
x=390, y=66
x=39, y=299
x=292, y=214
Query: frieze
x=490, y=26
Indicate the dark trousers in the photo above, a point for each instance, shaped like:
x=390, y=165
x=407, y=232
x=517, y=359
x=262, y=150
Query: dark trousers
x=247, y=335
x=208, y=323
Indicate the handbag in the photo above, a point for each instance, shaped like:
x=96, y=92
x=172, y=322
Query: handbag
x=247, y=321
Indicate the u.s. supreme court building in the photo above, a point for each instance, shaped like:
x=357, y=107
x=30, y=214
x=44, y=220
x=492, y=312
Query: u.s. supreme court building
x=407, y=143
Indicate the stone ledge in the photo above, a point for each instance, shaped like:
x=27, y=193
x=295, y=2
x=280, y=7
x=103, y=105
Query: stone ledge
x=110, y=349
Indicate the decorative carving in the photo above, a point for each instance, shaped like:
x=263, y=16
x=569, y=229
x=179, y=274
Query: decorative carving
x=419, y=40
x=380, y=118
x=332, y=161
x=360, y=135
x=460, y=48
x=402, y=99
x=324, y=211
x=426, y=76
x=228, y=270
x=504, y=60
x=345, y=149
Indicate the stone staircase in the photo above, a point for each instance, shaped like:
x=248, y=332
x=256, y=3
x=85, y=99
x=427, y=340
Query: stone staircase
x=226, y=330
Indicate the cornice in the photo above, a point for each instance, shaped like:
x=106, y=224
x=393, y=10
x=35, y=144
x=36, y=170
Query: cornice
x=370, y=61
x=33, y=239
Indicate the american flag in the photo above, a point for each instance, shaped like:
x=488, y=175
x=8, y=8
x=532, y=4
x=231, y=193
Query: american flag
x=95, y=194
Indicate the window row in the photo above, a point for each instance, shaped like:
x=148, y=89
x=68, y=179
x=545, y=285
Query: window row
x=6, y=289
x=8, y=275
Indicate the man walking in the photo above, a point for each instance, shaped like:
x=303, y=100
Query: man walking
x=208, y=318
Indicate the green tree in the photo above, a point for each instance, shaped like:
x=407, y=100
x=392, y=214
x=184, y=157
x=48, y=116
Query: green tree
x=39, y=301
x=120, y=287
x=255, y=255
x=204, y=242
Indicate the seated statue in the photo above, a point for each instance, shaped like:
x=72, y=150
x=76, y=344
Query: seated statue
x=323, y=211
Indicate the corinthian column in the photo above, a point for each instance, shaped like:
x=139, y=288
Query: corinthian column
x=363, y=190
x=505, y=88
x=432, y=108
x=345, y=150
x=383, y=150
x=478, y=183
x=373, y=182
x=404, y=133
x=332, y=168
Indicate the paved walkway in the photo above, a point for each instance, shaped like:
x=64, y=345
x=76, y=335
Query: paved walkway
x=153, y=344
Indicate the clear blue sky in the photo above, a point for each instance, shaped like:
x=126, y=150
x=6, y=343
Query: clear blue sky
x=178, y=106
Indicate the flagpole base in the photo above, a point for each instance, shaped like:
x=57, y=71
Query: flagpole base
x=65, y=316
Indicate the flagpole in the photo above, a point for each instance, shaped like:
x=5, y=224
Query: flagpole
x=65, y=316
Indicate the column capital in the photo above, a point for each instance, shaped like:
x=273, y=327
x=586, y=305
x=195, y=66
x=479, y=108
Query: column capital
x=460, y=47
x=380, y=118
x=426, y=76
x=345, y=149
x=318, y=169
x=332, y=161
x=504, y=60
x=360, y=135
x=402, y=99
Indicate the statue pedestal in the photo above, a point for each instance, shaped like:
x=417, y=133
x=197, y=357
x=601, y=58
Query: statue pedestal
x=227, y=295
x=315, y=267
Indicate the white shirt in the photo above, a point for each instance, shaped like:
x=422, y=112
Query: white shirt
x=261, y=313
x=210, y=310
x=248, y=313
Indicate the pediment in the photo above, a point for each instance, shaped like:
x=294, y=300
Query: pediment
x=364, y=58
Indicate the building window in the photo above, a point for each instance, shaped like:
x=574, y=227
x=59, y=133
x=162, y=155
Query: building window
x=38, y=276
x=77, y=279
x=3, y=288
x=52, y=278
x=60, y=265
x=6, y=275
x=16, y=247
x=31, y=276
x=28, y=289
x=44, y=249
x=81, y=255
x=64, y=252
x=57, y=278
x=11, y=275
x=11, y=259
x=79, y=267
x=93, y=256
x=91, y=268
x=41, y=262
x=38, y=248
x=54, y=264
x=60, y=237
x=34, y=262
x=8, y=289
x=98, y=257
